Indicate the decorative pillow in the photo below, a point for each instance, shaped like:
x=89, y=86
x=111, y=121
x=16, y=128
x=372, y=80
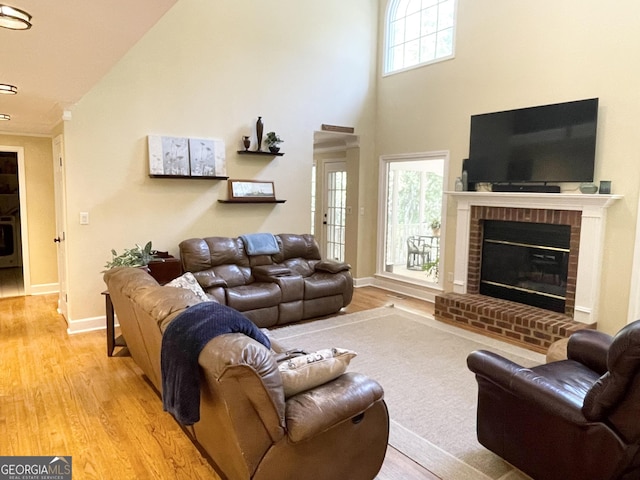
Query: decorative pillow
x=307, y=371
x=189, y=282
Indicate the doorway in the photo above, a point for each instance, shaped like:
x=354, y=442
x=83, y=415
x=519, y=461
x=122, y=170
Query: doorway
x=335, y=174
x=334, y=210
x=12, y=282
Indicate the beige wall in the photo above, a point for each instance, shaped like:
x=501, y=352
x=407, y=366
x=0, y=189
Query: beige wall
x=38, y=162
x=517, y=54
x=208, y=69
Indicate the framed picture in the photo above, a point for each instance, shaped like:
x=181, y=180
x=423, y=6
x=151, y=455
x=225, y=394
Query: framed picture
x=207, y=158
x=168, y=156
x=251, y=191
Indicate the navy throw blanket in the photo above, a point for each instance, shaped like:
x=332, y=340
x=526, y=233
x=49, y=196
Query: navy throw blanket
x=182, y=342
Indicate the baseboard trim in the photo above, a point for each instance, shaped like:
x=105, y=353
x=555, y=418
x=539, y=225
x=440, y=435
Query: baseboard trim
x=416, y=291
x=364, y=282
x=86, y=325
x=44, y=289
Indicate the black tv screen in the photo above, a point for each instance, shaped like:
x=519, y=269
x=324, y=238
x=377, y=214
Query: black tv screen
x=549, y=143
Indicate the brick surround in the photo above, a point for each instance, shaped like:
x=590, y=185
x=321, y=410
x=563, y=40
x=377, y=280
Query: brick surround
x=530, y=327
x=527, y=215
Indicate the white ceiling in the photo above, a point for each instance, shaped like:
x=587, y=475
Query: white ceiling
x=70, y=47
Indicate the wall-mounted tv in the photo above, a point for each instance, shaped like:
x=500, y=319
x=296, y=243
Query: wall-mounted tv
x=548, y=143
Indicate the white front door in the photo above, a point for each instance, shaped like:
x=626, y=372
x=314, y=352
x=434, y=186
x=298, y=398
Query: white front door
x=60, y=205
x=334, y=210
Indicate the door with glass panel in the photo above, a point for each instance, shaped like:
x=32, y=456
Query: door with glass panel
x=413, y=199
x=334, y=210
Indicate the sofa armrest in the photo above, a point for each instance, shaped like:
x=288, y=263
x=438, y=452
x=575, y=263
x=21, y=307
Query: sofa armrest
x=332, y=266
x=267, y=273
x=207, y=279
x=590, y=347
x=315, y=411
x=525, y=384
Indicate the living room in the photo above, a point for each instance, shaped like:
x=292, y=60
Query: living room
x=209, y=69
x=506, y=57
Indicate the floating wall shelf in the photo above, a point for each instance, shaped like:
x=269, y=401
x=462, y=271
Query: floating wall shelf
x=251, y=201
x=253, y=152
x=190, y=177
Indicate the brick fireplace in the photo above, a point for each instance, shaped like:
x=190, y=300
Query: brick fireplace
x=533, y=326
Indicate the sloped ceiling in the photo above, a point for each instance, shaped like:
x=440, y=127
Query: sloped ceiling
x=70, y=47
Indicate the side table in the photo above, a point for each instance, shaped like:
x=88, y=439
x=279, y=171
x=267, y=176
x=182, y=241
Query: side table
x=112, y=341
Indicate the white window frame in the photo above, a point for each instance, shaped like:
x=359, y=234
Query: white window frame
x=386, y=61
x=383, y=185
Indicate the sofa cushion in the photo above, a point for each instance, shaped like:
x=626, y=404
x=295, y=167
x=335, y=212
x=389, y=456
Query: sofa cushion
x=324, y=285
x=188, y=281
x=253, y=296
x=303, y=372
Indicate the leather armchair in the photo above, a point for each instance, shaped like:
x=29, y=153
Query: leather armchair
x=572, y=419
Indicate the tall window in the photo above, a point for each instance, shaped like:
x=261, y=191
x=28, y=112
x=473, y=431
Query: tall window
x=419, y=32
x=413, y=191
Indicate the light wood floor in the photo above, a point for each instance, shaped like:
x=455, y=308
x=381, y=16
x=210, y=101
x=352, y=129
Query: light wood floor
x=62, y=395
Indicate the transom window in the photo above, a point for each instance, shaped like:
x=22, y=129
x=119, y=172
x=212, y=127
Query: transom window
x=419, y=32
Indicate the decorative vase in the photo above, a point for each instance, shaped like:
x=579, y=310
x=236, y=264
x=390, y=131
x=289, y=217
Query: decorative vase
x=274, y=149
x=259, y=130
x=246, y=141
x=588, y=188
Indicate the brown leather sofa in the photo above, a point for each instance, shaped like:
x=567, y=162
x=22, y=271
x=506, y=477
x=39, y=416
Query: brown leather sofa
x=573, y=419
x=290, y=285
x=247, y=426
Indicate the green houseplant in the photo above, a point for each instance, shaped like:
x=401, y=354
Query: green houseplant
x=273, y=140
x=435, y=227
x=132, y=257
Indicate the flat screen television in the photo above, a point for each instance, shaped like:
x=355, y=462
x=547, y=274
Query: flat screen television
x=549, y=143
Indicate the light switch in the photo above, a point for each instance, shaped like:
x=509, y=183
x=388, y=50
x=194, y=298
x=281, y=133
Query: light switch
x=84, y=218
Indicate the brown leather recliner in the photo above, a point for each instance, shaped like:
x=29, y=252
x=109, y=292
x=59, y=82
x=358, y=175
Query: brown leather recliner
x=249, y=429
x=287, y=286
x=573, y=419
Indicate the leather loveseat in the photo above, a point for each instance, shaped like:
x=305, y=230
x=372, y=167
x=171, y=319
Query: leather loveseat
x=573, y=419
x=247, y=426
x=291, y=284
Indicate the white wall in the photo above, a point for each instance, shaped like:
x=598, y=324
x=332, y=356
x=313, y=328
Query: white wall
x=517, y=54
x=209, y=69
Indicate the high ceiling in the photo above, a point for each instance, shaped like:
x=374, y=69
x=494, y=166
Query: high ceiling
x=70, y=47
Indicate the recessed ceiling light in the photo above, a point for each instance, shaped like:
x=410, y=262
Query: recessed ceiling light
x=5, y=116
x=8, y=89
x=14, y=18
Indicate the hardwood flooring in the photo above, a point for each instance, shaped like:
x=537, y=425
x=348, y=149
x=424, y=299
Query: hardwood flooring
x=61, y=395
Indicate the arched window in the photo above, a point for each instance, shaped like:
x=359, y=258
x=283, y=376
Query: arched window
x=419, y=32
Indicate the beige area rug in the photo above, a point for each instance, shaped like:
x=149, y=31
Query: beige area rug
x=430, y=393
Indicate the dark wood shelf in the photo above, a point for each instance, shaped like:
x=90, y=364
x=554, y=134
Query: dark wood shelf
x=251, y=201
x=190, y=177
x=254, y=152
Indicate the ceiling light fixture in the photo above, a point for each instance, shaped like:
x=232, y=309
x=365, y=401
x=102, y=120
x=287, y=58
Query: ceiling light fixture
x=5, y=116
x=8, y=89
x=14, y=18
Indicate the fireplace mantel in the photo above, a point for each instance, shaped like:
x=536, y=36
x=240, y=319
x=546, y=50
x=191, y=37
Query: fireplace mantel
x=593, y=208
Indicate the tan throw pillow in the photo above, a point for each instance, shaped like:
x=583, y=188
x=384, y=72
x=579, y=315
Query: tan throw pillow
x=189, y=282
x=307, y=371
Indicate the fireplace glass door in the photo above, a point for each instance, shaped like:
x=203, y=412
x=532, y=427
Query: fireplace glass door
x=526, y=263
